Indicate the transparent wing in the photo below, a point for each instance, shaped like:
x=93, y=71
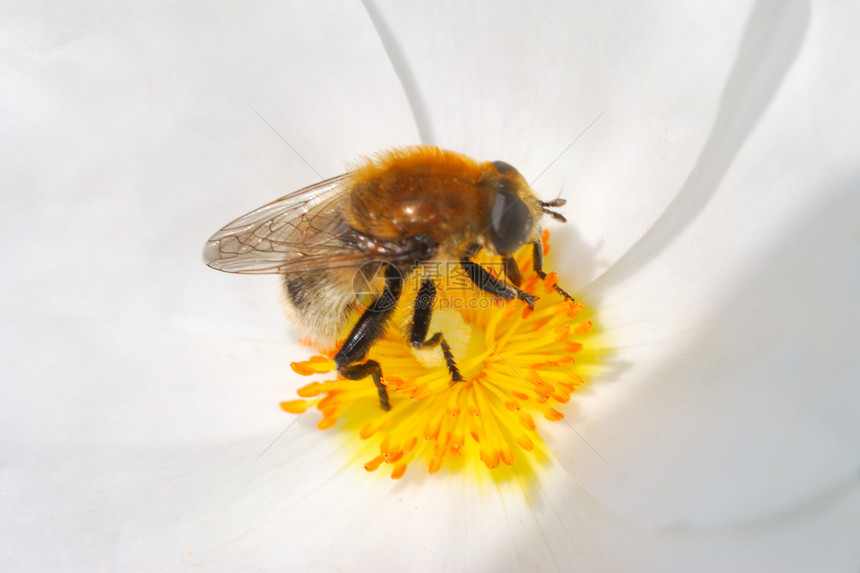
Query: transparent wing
x=302, y=231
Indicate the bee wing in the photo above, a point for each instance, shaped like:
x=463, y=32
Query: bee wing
x=302, y=231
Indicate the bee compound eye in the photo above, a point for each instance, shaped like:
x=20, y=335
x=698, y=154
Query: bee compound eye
x=504, y=167
x=510, y=222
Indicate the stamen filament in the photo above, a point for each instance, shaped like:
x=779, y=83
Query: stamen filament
x=519, y=364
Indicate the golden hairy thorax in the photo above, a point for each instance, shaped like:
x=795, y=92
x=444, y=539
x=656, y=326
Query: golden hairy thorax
x=414, y=191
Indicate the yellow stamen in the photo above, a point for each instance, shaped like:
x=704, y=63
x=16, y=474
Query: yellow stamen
x=517, y=364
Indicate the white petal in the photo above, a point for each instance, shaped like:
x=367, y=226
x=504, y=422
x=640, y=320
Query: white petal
x=133, y=418
x=732, y=391
x=130, y=135
x=524, y=85
x=724, y=78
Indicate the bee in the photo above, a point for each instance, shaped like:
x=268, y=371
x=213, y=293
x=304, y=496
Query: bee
x=396, y=212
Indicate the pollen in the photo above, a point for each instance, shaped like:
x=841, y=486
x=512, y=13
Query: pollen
x=519, y=368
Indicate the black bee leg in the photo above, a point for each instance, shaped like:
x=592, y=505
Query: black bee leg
x=512, y=271
x=537, y=262
x=421, y=324
x=368, y=329
x=363, y=370
x=488, y=283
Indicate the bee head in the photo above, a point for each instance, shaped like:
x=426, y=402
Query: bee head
x=513, y=208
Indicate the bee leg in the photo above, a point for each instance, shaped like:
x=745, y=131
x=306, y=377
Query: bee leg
x=363, y=370
x=368, y=329
x=512, y=271
x=421, y=324
x=488, y=283
x=537, y=264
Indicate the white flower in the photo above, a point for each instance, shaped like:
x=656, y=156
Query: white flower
x=713, y=227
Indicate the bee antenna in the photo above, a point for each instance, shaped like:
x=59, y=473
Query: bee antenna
x=557, y=202
x=557, y=216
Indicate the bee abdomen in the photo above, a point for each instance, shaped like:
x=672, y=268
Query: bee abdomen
x=320, y=304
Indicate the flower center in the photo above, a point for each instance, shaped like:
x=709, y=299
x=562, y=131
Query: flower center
x=517, y=365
